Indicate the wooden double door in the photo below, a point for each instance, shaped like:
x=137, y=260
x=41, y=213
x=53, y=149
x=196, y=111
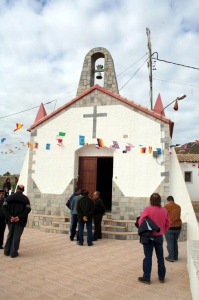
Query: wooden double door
x=95, y=174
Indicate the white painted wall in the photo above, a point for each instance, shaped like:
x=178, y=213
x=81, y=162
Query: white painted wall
x=193, y=186
x=180, y=193
x=23, y=178
x=54, y=169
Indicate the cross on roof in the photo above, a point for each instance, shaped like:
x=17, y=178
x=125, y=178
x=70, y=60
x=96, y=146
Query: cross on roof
x=94, y=115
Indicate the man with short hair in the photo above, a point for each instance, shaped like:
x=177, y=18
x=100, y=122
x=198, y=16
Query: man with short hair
x=74, y=218
x=76, y=192
x=16, y=208
x=85, y=207
x=99, y=210
x=172, y=235
x=2, y=219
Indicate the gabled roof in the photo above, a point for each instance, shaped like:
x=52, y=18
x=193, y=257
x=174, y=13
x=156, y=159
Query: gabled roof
x=114, y=95
x=188, y=157
x=188, y=148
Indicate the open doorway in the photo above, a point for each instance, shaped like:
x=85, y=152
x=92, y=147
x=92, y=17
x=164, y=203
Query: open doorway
x=104, y=180
x=95, y=173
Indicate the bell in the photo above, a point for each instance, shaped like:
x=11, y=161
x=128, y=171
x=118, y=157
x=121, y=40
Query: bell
x=99, y=75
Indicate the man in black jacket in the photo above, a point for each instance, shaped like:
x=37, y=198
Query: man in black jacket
x=85, y=207
x=99, y=210
x=16, y=209
x=2, y=219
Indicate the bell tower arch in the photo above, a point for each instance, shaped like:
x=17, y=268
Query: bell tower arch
x=87, y=78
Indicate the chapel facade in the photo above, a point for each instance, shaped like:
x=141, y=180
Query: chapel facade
x=98, y=141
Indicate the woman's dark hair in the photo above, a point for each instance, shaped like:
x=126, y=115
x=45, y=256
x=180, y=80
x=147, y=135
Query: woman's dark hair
x=155, y=200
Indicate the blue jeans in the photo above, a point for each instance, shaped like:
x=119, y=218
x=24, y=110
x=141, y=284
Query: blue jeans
x=81, y=232
x=172, y=243
x=156, y=243
x=71, y=221
x=74, y=226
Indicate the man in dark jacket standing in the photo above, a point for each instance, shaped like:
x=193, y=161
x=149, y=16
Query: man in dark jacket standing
x=99, y=210
x=2, y=219
x=85, y=207
x=16, y=209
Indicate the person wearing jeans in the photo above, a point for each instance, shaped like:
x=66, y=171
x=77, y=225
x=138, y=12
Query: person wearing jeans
x=74, y=217
x=159, y=216
x=172, y=235
x=156, y=243
x=85, y=207
x=81, y=232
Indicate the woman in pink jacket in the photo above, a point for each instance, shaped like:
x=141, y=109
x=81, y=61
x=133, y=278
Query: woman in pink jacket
x=159, y=216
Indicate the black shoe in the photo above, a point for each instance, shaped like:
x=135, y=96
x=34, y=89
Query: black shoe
x=94, y=239
x=6, y=254
x=14, y=255
x=71, y=239
x=91, y=244
x=1, y=247
x=78, y=243
x=99, y=237
x=144, y=280
x=168, y=259
x=161, y=280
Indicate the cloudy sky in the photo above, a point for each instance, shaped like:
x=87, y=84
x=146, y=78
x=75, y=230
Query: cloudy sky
x=42, y=48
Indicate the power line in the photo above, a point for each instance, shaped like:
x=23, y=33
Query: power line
x=173, y=63
x=55, y=100
x=132, y=65
x=133, y=75
x=26, y=110
x=191, y=85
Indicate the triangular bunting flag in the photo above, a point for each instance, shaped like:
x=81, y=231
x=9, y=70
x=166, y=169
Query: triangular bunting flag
x=18, y=126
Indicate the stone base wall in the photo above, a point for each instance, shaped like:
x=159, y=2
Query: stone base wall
x=49, y=204
x=129, y=208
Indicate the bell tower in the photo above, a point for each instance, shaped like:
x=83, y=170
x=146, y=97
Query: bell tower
x=89, y=71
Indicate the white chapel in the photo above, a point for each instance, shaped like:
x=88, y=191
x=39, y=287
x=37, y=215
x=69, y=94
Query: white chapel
x=102, y=141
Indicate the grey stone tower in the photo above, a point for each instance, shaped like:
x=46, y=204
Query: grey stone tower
x=87, y=77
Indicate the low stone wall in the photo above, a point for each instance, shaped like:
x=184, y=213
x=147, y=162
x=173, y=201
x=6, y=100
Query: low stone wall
x=183, y=234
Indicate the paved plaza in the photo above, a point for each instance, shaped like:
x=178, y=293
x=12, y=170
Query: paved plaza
x=50, y=266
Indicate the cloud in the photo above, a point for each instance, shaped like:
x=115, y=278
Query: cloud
x=43, y=45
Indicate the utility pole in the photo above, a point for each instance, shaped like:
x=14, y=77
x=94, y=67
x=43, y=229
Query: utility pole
x=150, y=67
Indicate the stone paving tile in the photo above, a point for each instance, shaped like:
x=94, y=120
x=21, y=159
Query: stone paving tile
x=50, y=266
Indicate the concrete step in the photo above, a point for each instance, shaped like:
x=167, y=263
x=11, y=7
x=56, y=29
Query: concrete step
x=105, y=234
x=104, y=226
x=119, y=221
x=53, y=229
x=111, y=228
x=114, y=226
x=120, y=235
x=61, y=223
x=31, y=215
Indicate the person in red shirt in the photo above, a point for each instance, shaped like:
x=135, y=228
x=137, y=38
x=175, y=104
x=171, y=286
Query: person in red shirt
x=159, y=216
